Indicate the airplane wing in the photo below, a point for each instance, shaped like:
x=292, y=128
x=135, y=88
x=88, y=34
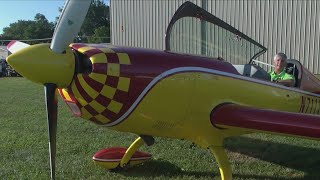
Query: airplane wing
x=254, y=119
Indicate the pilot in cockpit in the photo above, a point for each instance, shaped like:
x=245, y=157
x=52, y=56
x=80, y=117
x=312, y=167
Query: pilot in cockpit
x=279, y=74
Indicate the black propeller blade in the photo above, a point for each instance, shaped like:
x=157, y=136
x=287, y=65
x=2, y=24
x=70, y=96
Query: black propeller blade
x=68, y=26
x=52, y=111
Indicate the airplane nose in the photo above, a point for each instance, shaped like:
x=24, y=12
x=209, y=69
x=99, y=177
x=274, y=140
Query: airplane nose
x=40, y=64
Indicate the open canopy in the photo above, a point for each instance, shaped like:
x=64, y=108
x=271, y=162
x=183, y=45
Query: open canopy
x=193, y=30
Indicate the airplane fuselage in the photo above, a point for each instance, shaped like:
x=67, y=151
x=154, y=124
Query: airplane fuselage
x=164, y=94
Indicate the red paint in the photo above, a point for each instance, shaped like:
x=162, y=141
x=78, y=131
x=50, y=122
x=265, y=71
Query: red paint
x=83, y=93
x=93, y=83
x=116, y=154
x=145, y=65
x=91, y=110
x=111, y=115
x=104, y=101
x=61, y=94
x=73, y=104
x=77, y=46
x=112, y=58
x=266, y=120
x=99, y=68
x=10, y=44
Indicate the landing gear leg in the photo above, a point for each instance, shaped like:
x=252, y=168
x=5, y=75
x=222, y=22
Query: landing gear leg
x=130, y=151
x=109, y=158
x=134, y=147
x=223, y=162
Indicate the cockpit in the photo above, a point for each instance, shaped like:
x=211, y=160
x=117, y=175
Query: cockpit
x=193, y=30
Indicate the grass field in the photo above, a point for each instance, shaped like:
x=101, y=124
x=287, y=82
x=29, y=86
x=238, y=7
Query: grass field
x=24, y=152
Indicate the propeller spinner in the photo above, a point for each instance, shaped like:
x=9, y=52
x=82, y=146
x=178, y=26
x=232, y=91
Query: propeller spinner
x=53, y=67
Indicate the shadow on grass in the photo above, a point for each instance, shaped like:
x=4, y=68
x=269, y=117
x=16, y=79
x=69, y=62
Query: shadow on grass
x=165, y=169
x=159, y=168
x=241, y=176
x=294, y=157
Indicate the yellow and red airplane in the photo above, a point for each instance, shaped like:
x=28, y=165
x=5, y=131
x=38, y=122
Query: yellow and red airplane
x=168, y=94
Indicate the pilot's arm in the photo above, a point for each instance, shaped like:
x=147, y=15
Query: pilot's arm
x=287, y=82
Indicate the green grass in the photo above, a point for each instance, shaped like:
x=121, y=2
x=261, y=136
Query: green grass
x=24, y=152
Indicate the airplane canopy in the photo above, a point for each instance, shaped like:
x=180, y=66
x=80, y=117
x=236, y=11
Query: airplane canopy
x=193, y=30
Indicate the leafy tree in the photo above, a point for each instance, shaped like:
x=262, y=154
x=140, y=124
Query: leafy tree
x=16, y=30
x=97, y=23
x=43, y=26
x=100, y=35
x=37, y=29
x=96, y=26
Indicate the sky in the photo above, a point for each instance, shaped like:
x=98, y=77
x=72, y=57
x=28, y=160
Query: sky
x=13, y=10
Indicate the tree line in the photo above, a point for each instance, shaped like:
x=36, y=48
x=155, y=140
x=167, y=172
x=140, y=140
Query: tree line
x=95, y=28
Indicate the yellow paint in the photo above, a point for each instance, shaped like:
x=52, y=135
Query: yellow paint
x=84, y=49
x=107, y=165
x=113, y=69
x=123, y=58
x=106, y=50
x=164, y=109
x=113, y=165
x=130, y=151
x=180, y=105
x=102, y=119
x=97, y=106
x=114, y=106
x=85, y=114
x=66, y=95
x=223, y=162
x=108, y=91
x=89, y=90
x=101, y=78
x=123, y=84
x=98, y=58
x=40, y=64
x=77, y=94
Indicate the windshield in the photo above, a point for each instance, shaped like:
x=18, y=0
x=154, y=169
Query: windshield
x=193, y=30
